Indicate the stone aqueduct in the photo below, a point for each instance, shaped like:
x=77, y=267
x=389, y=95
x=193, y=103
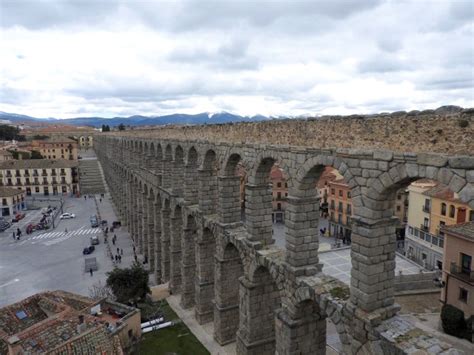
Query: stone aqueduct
x=180, y=199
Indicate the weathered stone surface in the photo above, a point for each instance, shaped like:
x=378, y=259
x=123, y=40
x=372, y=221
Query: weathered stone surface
x=436, y=160
x=231, y=271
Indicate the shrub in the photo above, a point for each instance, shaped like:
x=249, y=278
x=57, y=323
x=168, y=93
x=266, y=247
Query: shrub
x=453, y=321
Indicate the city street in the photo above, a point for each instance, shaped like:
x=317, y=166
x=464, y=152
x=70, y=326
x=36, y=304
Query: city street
x=53, y=259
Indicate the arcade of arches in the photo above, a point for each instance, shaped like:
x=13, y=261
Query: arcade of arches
x=181, y=202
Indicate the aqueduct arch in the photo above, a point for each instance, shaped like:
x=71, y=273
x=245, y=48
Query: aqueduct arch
x=198, y=242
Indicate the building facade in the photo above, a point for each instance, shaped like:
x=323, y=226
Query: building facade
x=86, y=141
x=5, y=155
x=431, y=207
x=57, y=148
x=458, y=267
x=279, y=194
x=41, y=176
x=13, y=200
x=340, y=208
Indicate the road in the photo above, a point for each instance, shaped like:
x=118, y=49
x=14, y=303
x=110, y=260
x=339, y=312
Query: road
x=52, y=259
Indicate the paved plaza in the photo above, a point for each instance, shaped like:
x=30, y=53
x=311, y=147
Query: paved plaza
x=51, y=260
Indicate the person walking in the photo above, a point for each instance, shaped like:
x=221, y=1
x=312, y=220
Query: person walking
x=14, y=237
x=118, y=250
x=113, y=241
x=91, y=271
x=116, y=257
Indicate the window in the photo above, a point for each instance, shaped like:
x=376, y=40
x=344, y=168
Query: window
x=426, y=206
x=441, y=242
x=415, y=232
x=4, y=201
x=348, y=194
x=332, y=205
x=471, y=215
x=439, y=264
x=463, y=294
x=424, y=256
x=278, y=184
x=278, y=205
x=452, y=211
x=398, y=208
x=426, y=223
x=37, y=189
x=286, y=184
x=333, y=191
x=339, y=218
x=441, y=226
x=348, y=220
x=341, y=193
x=349, y=209
x=279, y=195
x=410, y=230
x=443, y=209
x=399, y=197
x=466, y=263
x=428, y=237
x=340, y=207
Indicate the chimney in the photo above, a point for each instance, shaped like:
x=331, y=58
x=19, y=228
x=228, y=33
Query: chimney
x=81, y=327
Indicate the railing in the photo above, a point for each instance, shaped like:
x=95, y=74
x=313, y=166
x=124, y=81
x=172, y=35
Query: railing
x=424, y=228
x=461, y=272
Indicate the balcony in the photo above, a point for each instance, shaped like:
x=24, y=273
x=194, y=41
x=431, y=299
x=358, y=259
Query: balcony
x=426, y=209
x=425, y=228
x=54, y=182
x=462, y=273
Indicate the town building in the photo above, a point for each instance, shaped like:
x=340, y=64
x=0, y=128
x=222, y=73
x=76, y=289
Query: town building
x=322, y=186
x=458, y=267
x=86, y=141
x=340, y=208
x=279, y=194
x=60, y=322
x=56, y=148
x=432, y=206
x=5, y=155
x=41, y=176
x=13, y=200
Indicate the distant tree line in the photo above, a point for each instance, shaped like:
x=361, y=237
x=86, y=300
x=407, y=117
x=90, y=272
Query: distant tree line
x=105, y=128
x=40, y=137
x=8, y=133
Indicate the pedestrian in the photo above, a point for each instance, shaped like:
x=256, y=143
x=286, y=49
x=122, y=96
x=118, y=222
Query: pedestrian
x=121, y=251
x=119, y=258
x=91, y=271
x=134, y=249
x=118, y=250
x=112, y=257
x=115, y=237
x=85, y=197
x=100, y=200
x=106, y=230
x=136, y=258
x=113, y=241
x=65, y=231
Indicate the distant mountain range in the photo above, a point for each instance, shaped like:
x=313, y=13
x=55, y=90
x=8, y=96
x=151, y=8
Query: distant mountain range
x=137, y=120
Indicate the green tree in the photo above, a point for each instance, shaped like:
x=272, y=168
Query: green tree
x=121, y=127
x=129, y=284
x=8, y=133
x=36, y=155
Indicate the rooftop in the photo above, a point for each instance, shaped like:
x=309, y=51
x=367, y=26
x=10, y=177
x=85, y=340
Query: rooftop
x=37, y=164
x=9, y=191
x=463, y=230
x=61, y=321
x=56, y=139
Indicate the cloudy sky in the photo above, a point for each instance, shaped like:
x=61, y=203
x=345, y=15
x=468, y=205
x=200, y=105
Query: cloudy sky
x=111, y=57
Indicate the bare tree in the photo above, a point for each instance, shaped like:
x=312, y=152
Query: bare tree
x=100, y=290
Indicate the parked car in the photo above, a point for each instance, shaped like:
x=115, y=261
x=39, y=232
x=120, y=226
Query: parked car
x=18, y=217
x=95, y=240
x=88, y=250
x=67, y=215
x=4, y=225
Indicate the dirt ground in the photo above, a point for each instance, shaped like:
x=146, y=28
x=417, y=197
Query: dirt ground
x=422, y=303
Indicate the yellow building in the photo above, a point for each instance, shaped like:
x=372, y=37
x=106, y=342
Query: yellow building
x=431, y=206
x=57, y=148
x=5, y=155
x=340, y=208
x=86, y=141
x=447, y=209
x=40, y=176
